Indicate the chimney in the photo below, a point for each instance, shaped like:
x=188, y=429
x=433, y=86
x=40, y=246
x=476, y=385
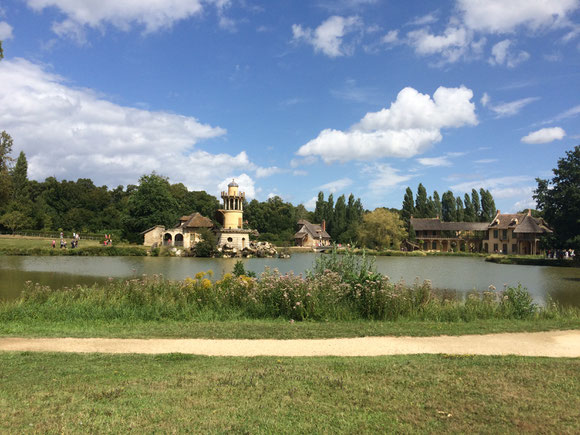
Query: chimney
x=323, y=225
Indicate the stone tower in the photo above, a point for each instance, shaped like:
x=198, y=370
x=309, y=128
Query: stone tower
x=233, y=207
x=233, y=233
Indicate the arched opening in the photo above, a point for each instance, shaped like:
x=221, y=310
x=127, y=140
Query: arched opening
x=485, y=247
x=167, y=239
x=230, y=240
x=434, y=246
x=179, y=240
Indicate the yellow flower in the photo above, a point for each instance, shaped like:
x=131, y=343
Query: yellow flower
x=206, y=283
x=210, y=273
x=199, y=275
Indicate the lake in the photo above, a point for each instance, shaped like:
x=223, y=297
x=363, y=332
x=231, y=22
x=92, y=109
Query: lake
x=461, y=274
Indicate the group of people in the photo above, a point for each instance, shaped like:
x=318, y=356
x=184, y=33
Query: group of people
x=108, y=241
x=561, y=254
x=73, y=244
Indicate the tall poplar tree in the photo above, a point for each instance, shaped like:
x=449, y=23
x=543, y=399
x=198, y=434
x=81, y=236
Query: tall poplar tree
x=488, y=210
x=469, y=215
x=421, y=205
x=339, y=219
x=460, y=212
x=476, y=205
x=319, y=209
x=449, y=207
x=437, y=205
x=408, y=209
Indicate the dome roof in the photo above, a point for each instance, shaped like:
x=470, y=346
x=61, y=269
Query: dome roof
x=233, y=184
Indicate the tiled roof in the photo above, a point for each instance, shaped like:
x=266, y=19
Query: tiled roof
x=195, y=220
x=532, y=225
x=313, y=229
x=505, y=221
x=434, y=224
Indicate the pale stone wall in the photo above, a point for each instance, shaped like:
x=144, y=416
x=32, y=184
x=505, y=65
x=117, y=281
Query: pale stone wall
x=233, y=219
x=237, y=240
x=154, y=236
x=501, y=239
x=157, y=236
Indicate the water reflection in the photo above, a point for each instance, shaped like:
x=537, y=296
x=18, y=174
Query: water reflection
x=461, y=274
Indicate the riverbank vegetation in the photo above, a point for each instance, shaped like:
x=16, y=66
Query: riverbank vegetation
x=340, y=288
x=528, y=260
x=168, y=393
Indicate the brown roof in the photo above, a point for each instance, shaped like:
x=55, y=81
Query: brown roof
x=314, y=230
x=434, y=224
x=532, y=225
x=507, y=220
x=195, y=220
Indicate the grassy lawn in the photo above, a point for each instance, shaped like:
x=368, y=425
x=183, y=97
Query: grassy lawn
x=280, y=329
x=17, y=242
x=57, y=393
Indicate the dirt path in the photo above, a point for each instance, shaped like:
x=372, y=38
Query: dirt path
x=550, y=344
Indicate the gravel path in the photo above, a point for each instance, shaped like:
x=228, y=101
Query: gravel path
x=549, y=344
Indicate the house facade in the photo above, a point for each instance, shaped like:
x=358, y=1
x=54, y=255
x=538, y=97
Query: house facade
x=185, y=234
x=517, y=234
x=311, y=235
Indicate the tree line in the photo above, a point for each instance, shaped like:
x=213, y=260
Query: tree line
x=477, y=207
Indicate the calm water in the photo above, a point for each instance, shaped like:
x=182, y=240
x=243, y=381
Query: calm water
x=461, y=273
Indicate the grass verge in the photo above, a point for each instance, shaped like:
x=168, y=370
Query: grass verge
x=63, y=393
x=274, y=329
x=532, y=261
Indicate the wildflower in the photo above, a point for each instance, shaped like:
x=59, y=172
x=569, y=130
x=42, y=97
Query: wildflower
x=206, y=283
x=199, y=275
x=491, y=287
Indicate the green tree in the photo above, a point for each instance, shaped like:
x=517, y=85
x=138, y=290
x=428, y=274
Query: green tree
x=437, y=204
x=488, y=210
x=207, y=245
x=449, y=207
x=460, y=211
x=329, y=213
x=6, y=143
x=469, y=214
x=151, y=204
x=421, y=203
x=319, y=209
x=408, y=208
x=559, y=200
x=15, y=220
x=20, y=178
x=339, y=219
x=476, y=205
x=382, y=229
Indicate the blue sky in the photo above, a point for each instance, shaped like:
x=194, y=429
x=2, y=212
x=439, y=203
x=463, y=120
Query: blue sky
x=294, y=97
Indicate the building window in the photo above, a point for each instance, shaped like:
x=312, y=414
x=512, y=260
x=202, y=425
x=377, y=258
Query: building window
x=434, y=233
x=495, y=247
x=504, y=234
x=434, y=245
x=495, y=234
x=514, y=248
x=230, y=239
x=514, y=235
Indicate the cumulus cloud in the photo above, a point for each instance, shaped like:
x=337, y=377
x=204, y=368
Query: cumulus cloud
x=453, y=44
x=267, y=172
x=151, y=15
x=502, y=55
x=544, y=135
x=336, y=185
x=500, y=16
x=409, y=127
x=328, y=37
x=511, y=108
x=435, y=161
x=383, y=177
x=5, y=31
x=73, y=132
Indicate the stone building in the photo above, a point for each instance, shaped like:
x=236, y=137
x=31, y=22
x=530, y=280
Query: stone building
x=185, y=234
x=517, y=233
x=312, y=235
x=233, y=233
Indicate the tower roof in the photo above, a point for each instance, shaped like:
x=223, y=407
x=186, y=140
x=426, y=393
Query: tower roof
x=233, y=184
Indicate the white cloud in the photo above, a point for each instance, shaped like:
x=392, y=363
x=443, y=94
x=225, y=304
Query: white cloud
x=500, y=16
x=392, y=37
x=311, y=203
x=493, y=184
x=512, y=108
x=485, y=161
x=73, y=133
x=435, y=161
x=544, y=135
x=5, y=31
x=502, y=55
x=570, y=113
x=424, y=20
x=384, y=177
x=336, y=185
x=245, y=183
x=299, y=173
x=151, y=15
x=328, y=37
x=267, y=172
x=485, y=99
x=409, y=127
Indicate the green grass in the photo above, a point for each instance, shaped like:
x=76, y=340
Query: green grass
x=63, y=393
x=11, y=245
x=529, y=260
x=275, y=329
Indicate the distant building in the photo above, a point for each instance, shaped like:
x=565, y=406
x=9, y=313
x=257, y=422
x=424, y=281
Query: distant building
x=311, y=234
x=517, y=233
x=186, y=233
x=232, y=213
